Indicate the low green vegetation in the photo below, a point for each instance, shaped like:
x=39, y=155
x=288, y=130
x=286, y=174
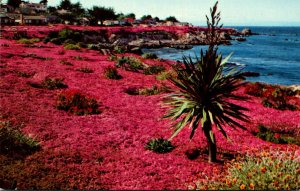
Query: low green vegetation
x=155, y=69
x=159, y=145
x=77, y=103
x=273, y=96
x=53, y=83
x=267, y=134
x=129, y=63
x=24, y=74
x=149, y=56
x=154, y=90
x=273, y=170
x=65, y=62
x=119, y=50
x=72, y=47
x=14, y=142
x=112, y=73
x=85, y=70
x=28, y=41
x=50, y=83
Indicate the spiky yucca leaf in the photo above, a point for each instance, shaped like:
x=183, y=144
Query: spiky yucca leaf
x=205, y=88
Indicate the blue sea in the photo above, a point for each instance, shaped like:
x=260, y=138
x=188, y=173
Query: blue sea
x=274, y=53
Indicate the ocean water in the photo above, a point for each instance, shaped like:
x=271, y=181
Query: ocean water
x=274, y=53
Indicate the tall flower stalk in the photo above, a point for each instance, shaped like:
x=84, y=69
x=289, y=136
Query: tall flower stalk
x=205, y=88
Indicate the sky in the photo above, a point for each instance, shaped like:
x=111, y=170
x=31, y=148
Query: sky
x=233, y=12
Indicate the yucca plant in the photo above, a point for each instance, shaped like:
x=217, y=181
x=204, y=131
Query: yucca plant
x=205, y=88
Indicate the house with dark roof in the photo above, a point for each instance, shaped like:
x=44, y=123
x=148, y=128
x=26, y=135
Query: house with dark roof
x=33, y=20
x=6, y=20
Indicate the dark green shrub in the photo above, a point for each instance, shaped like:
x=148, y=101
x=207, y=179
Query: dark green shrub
x=57, y=41
x=267, y=134
x=112, y=73
x=149, y=56
x=85, y=70
x=159, y=145
x=166, y=74
x=69, y=41
x=28, y=41
x=267, y=170
x=24, y=74
x=154, y=90
x=79, y=58
x=130, y=63
x=77, y=103
x=13, y=141
x=154, y=69
x=71, y=47
x=112, y=58
x=53, y=83
x=93, y=47
x=119, y=50
x=19, y=35
x=65, y=62
x=82, y=45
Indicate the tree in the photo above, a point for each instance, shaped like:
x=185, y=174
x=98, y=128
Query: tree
x=45, y=2
x=101, y=13
x=130, y=15
x=52, y=10
x=172, y=19
x=146, y=17
x=205, y=90
x=14, y=3
x=65, y=4
x=77, y=9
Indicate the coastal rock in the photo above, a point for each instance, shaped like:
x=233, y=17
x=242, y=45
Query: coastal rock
x=136, y=50
x=246, y=32
x=240, y=39
x=182, y=46
x=250, y=74
x=225, y=36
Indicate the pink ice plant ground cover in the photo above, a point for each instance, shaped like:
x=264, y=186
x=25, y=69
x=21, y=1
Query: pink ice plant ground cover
x=111, y=145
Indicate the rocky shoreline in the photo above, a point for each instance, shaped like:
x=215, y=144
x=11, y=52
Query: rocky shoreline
x=133, y=39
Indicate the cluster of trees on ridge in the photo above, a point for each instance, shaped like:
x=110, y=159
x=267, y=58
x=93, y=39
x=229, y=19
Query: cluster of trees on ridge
x=95, y=14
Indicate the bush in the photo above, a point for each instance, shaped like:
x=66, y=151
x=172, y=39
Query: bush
x=130, y=63
x=112, y=58
x=154, y=69
x=77, y=103
x=154, y=90
x=149, y=56
x=166, y=74
x=72, y=47
x=24, y=74
x=272, y=96
x=85, y=70
x=13, y=141
x=69, y=41
x=119, y=50
x=28, y=41
x=53, y=83
x=112, y=73
x=79, y=58
x=273, y=170
x=67, y=33
x=57, y=41
x=19, y=35
x=159, y=145
x=65, y=62
x=267, y=134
